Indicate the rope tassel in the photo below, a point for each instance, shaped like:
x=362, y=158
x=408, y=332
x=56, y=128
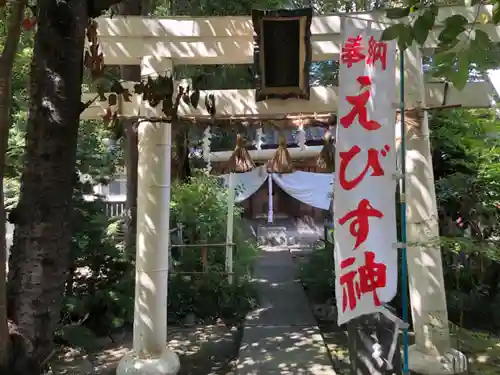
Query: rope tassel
x=326, y=158
x=281, y=161
x=240, y=160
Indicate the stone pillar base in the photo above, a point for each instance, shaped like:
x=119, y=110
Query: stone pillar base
x=167, y=364
x=453, y=362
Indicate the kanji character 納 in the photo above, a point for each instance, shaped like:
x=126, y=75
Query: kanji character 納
x=377, y=51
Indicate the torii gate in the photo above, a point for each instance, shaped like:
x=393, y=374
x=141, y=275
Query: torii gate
x=157, y=45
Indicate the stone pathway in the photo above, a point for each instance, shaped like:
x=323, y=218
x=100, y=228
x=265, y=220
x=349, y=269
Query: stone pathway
x=282, y=336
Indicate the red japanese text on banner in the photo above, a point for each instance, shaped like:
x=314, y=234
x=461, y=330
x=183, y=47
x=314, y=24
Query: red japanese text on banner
x=366, y=262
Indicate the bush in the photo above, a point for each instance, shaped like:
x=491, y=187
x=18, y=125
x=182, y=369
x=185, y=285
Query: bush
x=100, y=290
x=208, y=297
x=201, y=206
x=318, y=275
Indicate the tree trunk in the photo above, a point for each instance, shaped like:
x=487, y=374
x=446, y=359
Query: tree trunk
x=42, y=237
x=6, y=64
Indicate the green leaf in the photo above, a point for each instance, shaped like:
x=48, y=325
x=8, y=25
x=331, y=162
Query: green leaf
x=443, y=63
x=481, y=48
x=392, y=32
x=445, y=47
x=456, y=21
x=396, y=13
x=461, y=75
x=423, y=25
x=496, y=14
x=449, y=35
x=405, y=38
x=482, y=38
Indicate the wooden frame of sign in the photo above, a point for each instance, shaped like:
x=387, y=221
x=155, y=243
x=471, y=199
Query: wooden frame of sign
x=281, y=71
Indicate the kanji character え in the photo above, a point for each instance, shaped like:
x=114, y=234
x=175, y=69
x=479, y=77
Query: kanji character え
x=359, y=108
x=366, y=279
x=352, y=51
x=360, y=227
x=372, y=163
x=377, y=51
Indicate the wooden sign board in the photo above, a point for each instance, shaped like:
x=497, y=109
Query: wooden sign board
x=282, y=53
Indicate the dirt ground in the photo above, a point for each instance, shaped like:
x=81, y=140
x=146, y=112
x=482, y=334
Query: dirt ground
x=202, y=350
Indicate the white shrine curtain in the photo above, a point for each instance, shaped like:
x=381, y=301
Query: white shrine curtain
x=313, y=189
x=246, y=184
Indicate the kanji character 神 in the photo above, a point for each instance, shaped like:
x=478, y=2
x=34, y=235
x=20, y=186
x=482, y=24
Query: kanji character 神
x=377, y=51
x=352, y=51
x=366, y=279
x=359, y=108
x=360, y=227
x=372, y=163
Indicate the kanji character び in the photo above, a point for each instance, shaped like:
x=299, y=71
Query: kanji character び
x=359, y=108
x=366, y=279
x=372, y=163
x=377, y=51
x=359, y=227
x=352, y=51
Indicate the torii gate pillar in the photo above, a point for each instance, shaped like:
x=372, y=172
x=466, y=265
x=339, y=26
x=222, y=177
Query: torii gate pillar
x=150, y=354
x=432, y=353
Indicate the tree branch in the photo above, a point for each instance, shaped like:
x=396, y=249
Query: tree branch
x=13, y=33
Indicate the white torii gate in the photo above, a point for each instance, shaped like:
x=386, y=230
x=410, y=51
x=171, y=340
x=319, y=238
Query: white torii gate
x=157, y=44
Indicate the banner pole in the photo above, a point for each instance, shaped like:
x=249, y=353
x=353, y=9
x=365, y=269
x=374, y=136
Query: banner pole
x=404, y=265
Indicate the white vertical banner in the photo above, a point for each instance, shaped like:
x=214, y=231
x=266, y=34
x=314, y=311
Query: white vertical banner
x=366, y=260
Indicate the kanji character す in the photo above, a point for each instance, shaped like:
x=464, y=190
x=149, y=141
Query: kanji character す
x=352, y=51
x=366, y=279
x=359, y=108
x=360, y=227
x=372, y=163
x=377, y=51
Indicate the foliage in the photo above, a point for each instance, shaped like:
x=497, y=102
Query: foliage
x=208, y=297
x=201, y=206
x=463, y=43
x=317, y=274
x=466, y=156
x=101, y=288
x=481, y=348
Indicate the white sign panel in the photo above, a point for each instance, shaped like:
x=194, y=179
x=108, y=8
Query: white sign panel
x=366, y=262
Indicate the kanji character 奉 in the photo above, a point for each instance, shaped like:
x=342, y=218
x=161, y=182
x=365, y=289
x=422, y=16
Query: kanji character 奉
x=366, y=279
x=360, y=226
x=372, y=163
x=359, y=108
x=352, y=51
x=377, y=51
